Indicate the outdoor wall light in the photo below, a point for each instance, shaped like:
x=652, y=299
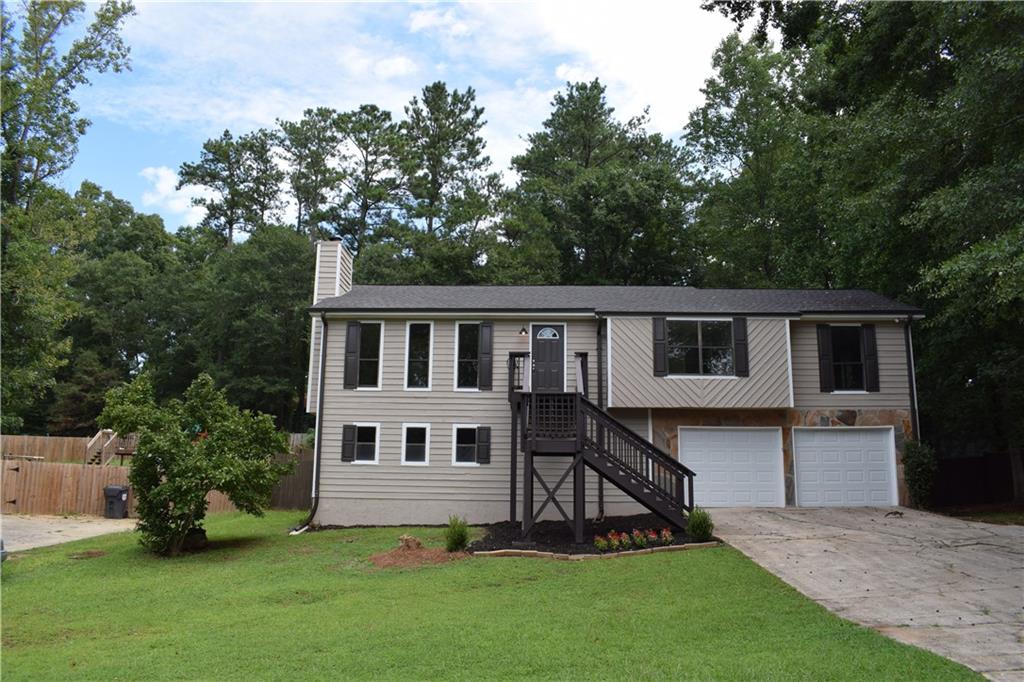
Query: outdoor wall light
x=522, y=331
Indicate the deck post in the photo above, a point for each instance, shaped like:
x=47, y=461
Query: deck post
x=527, y=490
x=514, y=473
x=579, y=500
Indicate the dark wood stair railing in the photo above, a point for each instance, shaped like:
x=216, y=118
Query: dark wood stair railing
x=604, y=436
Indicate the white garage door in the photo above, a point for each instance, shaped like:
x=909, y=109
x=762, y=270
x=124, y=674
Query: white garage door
x=740, y=467
x=844, y=467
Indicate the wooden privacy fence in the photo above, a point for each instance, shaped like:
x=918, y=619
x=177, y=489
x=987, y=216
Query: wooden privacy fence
x=62, y=484
x=295, y=491
x=50, y=448
x=60, y=488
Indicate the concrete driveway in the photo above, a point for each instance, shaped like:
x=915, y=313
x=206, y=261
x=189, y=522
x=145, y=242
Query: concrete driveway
x=950, y=586
x=21, y=531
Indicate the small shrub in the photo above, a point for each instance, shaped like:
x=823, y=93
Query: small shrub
x=666, y=536
x=456, y=535
x=601, y=543
x=700, y=525
x=652, y=537
x=920, y=468
x=639, y=538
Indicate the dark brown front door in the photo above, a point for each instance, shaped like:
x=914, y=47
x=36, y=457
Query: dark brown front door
x=548, y=352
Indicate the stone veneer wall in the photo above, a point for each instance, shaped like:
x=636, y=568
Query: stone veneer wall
x=666, y=423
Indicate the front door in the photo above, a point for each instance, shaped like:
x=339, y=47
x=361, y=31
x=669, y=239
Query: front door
x=548, y=353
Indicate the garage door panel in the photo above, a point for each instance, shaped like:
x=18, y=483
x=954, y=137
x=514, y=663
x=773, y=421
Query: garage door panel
x=844, y=467
x=734, y=466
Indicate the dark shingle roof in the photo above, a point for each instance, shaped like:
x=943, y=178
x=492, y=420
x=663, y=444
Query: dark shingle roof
x=612, y=300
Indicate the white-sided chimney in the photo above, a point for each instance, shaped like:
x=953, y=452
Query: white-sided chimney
x=333, y=278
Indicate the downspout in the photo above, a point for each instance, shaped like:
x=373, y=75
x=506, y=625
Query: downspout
x=915, y=425
x=600, y=404
x=318, y=432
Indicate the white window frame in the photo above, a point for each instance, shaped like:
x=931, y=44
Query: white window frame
x=376, y=444
x=565, y=348
x=455, y=361
x=430, y=358
x=426, y=445
x=698, y=320
x=380, y=361
x=455, y=433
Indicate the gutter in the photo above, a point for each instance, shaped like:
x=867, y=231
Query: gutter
x=318, y=432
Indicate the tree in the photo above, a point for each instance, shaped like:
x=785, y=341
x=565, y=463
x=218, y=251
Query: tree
x=608, y=196
x=188, y=448
x=40, y=122
x=126, y=280
x=262, y=178
x=39, y=259
x=370, y=175
x=754, y=153
x=252, y=329
x=243, y=180
x=39, y=73
x=445, y=162
x=310, y=147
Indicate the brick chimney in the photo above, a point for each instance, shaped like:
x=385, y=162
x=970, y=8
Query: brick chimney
x=333, y=278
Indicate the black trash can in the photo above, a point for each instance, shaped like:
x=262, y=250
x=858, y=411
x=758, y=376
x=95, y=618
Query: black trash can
x=117, y=502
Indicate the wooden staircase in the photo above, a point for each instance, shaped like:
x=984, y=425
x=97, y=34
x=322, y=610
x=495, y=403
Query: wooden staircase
x=107, y=444
x=650, y=476
x=568, y=424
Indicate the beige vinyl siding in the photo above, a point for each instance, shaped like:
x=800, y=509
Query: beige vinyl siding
x=333, y=278
x=894, y=391
x=633, y=383
x=389, y=492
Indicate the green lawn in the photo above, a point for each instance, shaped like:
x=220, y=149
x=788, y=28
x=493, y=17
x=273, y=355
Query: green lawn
x=265, y=605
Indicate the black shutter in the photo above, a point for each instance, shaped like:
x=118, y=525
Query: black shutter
x=483, y=445
x=486, y=355
x=352, y=354
x=348, y=443
x=660, y=348
x=825, y=358
x=869, y=350
x=741, y=359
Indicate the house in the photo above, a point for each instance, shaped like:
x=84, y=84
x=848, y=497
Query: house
x=525, y=402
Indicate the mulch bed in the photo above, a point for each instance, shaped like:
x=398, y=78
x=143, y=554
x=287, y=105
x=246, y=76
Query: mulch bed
x=555, y=536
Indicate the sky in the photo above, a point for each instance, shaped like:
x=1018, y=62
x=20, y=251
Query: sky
x=198, y=68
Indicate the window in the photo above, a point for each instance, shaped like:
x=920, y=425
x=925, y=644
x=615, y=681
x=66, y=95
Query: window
x=418, y=342
x=847, y=358
x=700, y=347
x=369, y=354
x=467, y=355
x=366, y=442
x=416, y=444
x=465, y=445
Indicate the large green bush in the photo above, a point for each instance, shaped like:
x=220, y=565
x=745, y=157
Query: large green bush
x=920, y=468
x=700, y=526
x=188, y=448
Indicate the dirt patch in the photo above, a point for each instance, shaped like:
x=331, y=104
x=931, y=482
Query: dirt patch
x=411, y=552
x=87, y=554
x=556, y=536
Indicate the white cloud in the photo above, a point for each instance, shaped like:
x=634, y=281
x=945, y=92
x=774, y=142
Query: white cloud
x=393, y=67
x=203, y=67
x=164, y=195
